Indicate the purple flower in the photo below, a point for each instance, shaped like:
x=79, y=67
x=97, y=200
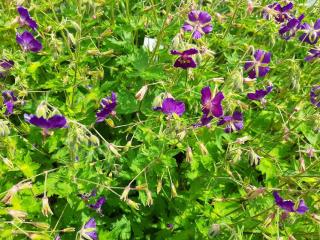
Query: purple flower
x=97, y=206
x=89, y=230
x=9, y=99
x=57, y=121
x=5, y=66
x=233, y=123
x=311, y=34
x=288, y=205
x=185, y=61
x=313, y=54
x=211, y=106
x=198, y=23
x=108, y=105
x=279, y=13
x=171, y=106
x=86, y=196
x=57, y=237
x=315, y=96
x=204, y=121
x=290, y=28
x=28, y=42
x=258, y=67
x=259, y=95
x=25, y=19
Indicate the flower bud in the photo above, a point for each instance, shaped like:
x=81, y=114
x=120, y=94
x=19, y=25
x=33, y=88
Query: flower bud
x=149, y=197
x=7, y=199
x=140, y=94
x=302, y=166
x=17, y=214
x=4, y=129
x=133, y=204
x=254, y=158
x=203, y=149
x=269, y=219
x=242, y=140
x=69, y=229
x=114, y=150
x=46, y=210
x=42, y=110
x=141, y=187
x=94, y=140
x=255, y=192
x=125, y=193
x=182, y=134
x=173, y=191
x=159, y=186
x=93, y=52
x=310, y=152
x=40, y=225
x=189, y=155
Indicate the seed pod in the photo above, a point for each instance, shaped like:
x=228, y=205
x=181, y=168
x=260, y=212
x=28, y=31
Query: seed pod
x=141, y=93
x=46, y=210
x=203, y=149
x=189, y=155
x=149, y=197
x=125, y=193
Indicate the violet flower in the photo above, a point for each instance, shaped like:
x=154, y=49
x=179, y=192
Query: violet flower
x=108, y=105
x=28, y=42
x=290, y=28
x=211, y=106
x=204, y=121
x=5, y=66
x=313, y=54
x=288, y=205
x=185, y=61
x=89, y=230
x=233, y=123
x=170, y=106
x=259, y=95
x=86, y=196
x=98, y=205
x=25, y=19
x=57, y=237
x=258, y=67
x=8, y=100
x=310, y=34
x=315, y=96
x=279, y=13
x=198, y=23
x=56, y=121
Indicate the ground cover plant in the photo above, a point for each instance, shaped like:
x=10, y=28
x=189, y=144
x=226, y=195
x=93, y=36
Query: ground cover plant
x=155, y=119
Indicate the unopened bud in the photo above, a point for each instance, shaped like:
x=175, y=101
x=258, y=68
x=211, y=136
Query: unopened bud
x=173, y=191
x=141, y=93
x=310, y=152
x=189, y=155
x=254, y=158
x=114, y=150
x=302, y=166
x=17, y=214
x=315, y=217
x=125, y=193
x=149, y=197
x=93, y=52
x=40, y=225
x=46, y=210
x=269, y=219
x=255, y=192
x=182, y=134
x=133, y=204
x=141, y=187
x=4, y=129
x=242, y=140
x=159, y=186
x=69, y=229
x=94, y=140
x=203, y=149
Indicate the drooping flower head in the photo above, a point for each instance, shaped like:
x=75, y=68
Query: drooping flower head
x=232, y=123
x=211, y=106
x=258, y=67
x=8, y=100
x=89, y=230
x=315, y=96
x=290, y=28
x=310, y=33
x=288, y=205
x=185, y=61
x=313, y=54
x=28, y=42
x=199, y=23
x=279, y=13
x=5, y=66
x=170, y=106
x=54, y=122
x=25, y=19
x=259, y=95
x=108, y=105
x=98, y=205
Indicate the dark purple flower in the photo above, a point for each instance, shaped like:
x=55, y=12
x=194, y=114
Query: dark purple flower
x=313, y=54
x=89, y=230
x=86, y=196
x=288, y=205
x=258, y=67
x=290, y=28
x=279, y=13
x=185, y=61
x=315, y=96
x=171, y=106
x=8, y=100
x=108, y=105
x=259, y=95
x=211, y=106
x=310, y=34
x=170, y=226
x=233, y=123
x=5, y=66
x=97, y=206
x=25, y=19
x=198, y=23
x=57, y=121
x=28, y=42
